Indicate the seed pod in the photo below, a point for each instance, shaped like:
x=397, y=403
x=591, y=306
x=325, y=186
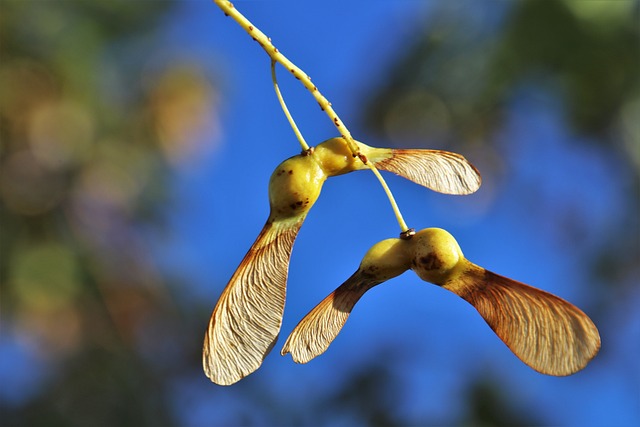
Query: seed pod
x=546, y=332
x=246, y=321
x=318, y=329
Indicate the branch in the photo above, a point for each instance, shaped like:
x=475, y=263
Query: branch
x=275, y=55
x=229, y=9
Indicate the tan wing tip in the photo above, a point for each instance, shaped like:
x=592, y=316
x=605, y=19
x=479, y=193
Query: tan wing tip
x=309, y=338
x=547, y=333
x=221, y=379
x=573, y=360
x=470, y=179
x=215, y=372
x=441, y=171
x=317, y=330
x=474, y=181
x=245, y=323
x=225, y=369
x=220, y=373
x=286, y=348
x=297, y=354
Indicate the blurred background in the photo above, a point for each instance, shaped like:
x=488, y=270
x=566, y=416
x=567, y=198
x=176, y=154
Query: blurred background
x=137, y=140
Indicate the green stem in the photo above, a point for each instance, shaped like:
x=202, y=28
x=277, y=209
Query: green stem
x=292, y=122
x=229, y=9
x=405, y=231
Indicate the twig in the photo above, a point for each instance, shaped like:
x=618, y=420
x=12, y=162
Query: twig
x=229, y=9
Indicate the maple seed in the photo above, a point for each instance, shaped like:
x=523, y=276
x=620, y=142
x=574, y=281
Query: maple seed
x=246, y=320
x=546, y=332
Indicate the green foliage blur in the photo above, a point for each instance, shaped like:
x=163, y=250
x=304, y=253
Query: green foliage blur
x=91, y=127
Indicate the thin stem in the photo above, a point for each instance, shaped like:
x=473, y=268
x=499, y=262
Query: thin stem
x=275, y=55
x=403, y=226
x=292, y=122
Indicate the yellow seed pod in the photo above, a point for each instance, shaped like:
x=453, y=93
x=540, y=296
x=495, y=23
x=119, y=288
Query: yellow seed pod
x=386, y=259
x=295, y=186
x=335, y=158
x=435, y=255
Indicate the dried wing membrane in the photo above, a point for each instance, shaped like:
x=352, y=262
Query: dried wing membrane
x=246, y=321
x=441, y=171
x=317, y=330
x=547, y=333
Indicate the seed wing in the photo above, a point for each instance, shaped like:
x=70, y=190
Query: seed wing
x=441, y=171
x=546, y=332
x=317, y=330
x=246, y=321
